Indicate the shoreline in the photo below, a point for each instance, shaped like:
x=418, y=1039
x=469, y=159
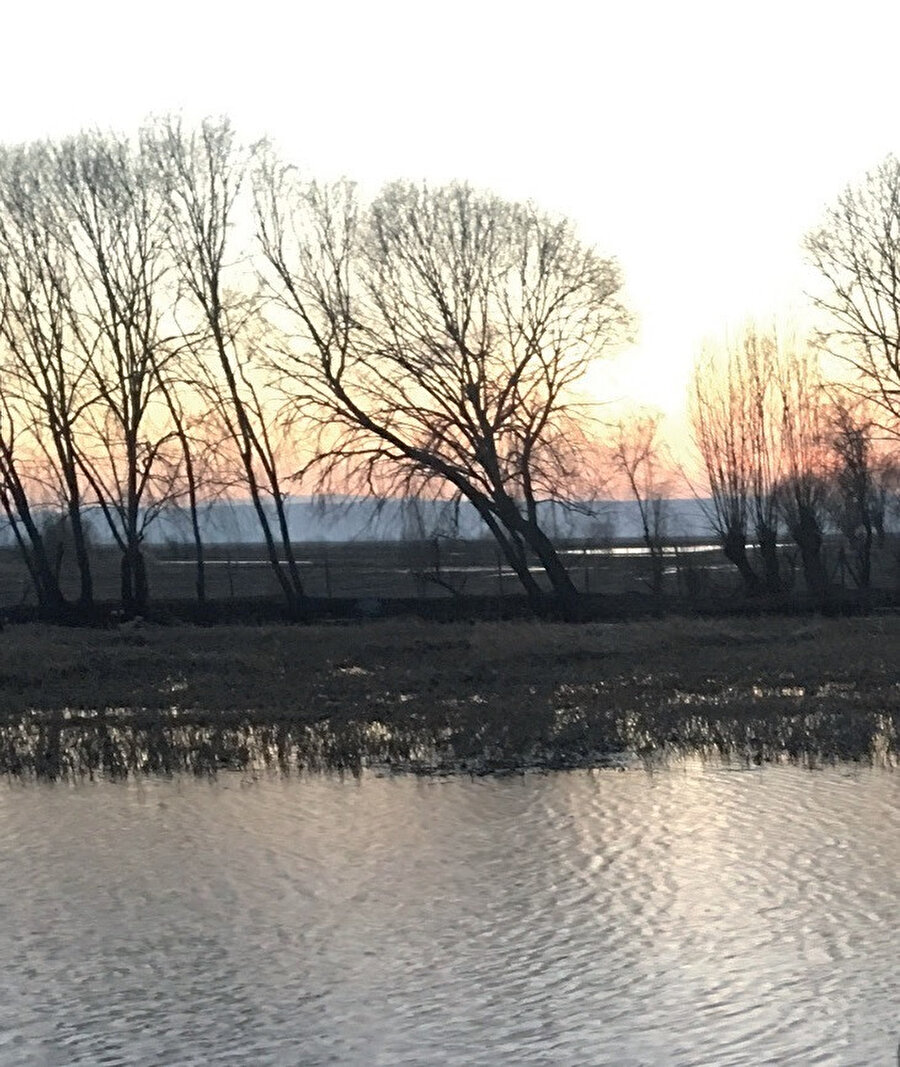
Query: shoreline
x=478, y=697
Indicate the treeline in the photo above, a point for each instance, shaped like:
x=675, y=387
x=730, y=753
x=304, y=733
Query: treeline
x=786, y=449
x=788, y=454
x=791, y=465
x=183, y=316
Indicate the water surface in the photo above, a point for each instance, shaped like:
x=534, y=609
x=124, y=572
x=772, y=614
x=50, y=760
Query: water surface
x=693, y=915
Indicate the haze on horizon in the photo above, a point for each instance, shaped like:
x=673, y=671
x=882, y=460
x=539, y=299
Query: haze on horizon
x=696, y=143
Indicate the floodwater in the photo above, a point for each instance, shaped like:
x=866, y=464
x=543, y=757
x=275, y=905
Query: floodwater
x=690, y=915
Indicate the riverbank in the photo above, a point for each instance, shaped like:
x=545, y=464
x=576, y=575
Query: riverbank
x=479, y=696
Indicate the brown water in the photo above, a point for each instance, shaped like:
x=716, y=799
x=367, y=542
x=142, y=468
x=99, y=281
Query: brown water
x=694, y=915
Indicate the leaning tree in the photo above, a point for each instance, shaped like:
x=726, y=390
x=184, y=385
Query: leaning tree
x=435, y=337
x=44, y=376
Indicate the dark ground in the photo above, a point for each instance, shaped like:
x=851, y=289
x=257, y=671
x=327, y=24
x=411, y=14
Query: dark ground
x=427, y=696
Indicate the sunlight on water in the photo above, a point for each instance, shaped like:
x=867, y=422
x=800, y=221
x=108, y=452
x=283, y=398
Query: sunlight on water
x=688, y=915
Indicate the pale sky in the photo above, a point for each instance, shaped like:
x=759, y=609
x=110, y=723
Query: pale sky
x=695, y=141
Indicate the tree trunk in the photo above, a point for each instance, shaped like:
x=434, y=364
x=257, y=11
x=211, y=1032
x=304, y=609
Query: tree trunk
x=135, y=589
x=808, y=537
x=287, y=588
x=734, y=545
x=200, y=574
x=865, y=556
x=657, y=565
x=287, y=546
x=768, y=551
x=126, y=583
x=46, y=584
x=567, y=595
x=511, y=547
x=82, y=558
x=515, y=556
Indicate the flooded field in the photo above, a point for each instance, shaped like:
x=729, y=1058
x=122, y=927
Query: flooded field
x=423, y=568
x=445, y=697
x=696, y=914
x=668, y=842
x=71, y=745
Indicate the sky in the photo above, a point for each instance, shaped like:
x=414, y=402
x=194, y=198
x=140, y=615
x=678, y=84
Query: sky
x=696, y=142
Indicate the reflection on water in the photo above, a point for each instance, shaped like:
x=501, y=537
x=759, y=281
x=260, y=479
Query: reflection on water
x=642, y=550
x=685, y=916
x=460, y=736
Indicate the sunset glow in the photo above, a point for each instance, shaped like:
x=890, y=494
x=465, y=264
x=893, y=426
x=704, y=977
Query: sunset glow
x=697, y=142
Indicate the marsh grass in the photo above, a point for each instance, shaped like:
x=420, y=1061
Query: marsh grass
x=425, y=696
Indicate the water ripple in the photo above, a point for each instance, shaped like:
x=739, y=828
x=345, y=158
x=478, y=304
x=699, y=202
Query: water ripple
x=695, y=915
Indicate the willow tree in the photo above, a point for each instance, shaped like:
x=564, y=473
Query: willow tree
x=805, y=452
x=438, y=335
x=727, y=417
x=860, y=480
x=757, y=419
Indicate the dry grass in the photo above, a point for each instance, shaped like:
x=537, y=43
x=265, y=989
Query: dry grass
x=311, y=671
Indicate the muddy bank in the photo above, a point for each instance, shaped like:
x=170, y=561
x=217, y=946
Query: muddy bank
x=427, y=696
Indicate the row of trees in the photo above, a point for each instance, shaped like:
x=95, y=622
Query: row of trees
x=182, y=315
x=782, y=447
x=788, y=454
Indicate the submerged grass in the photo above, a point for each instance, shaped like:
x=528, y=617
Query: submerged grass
x=427, y=696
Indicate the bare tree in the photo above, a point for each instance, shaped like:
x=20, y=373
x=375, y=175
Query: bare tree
x=747, y=411
x=804, y=448
x=721, y=423
x=44, y=370
x=758, y=369
x=636, y=455
x=856, y=250
x=863, y=478
x=108, y=206
x=757, y=412
x=191, y=476
x=203, y=173
x=439, y=336
x=16, y=500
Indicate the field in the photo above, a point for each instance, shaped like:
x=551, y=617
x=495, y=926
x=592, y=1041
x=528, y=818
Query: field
x=426, y=570
x=425, y=696
x=700, y=669
x=433, y=568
